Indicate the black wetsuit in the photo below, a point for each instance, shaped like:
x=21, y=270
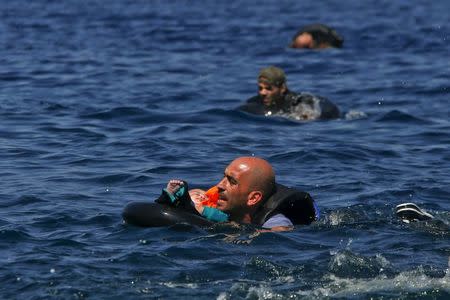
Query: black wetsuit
x=302, y=106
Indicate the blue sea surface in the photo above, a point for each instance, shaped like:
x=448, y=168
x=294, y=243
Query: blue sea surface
x=102, y=102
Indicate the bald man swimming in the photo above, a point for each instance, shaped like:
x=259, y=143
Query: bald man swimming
x=248, y=193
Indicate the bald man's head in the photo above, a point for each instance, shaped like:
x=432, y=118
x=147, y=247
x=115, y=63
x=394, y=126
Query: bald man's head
x=260, y=174
x=247, y=182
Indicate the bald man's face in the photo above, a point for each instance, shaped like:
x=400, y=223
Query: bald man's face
x=234, y=188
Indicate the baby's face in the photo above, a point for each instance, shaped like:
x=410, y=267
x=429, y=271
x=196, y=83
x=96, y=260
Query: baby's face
x=197, y=195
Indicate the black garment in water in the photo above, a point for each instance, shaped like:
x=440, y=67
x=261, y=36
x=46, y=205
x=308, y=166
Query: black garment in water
x=322, y=35
x=302, y=106
x=297, y=206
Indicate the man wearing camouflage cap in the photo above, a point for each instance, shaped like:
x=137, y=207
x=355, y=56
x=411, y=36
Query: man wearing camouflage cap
x=274, y=98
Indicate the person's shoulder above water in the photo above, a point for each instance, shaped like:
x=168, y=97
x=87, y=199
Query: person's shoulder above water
x=316, y=36
x=274, y=98
x=253, y=106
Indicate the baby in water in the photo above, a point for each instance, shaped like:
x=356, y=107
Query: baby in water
x=205, y=202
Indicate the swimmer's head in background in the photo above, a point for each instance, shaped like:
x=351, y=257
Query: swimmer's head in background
x=317, y=36
x=272, y=87
x=273, y=76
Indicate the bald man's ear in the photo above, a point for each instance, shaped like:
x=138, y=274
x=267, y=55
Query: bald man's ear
x=254, y=198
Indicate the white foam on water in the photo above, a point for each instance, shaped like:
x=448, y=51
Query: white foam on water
x=354, y=115
x=180, y=285
x=410, y=281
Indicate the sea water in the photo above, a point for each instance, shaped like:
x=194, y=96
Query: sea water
x=102, y=102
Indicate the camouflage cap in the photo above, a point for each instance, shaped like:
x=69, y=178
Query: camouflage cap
x=272, y=75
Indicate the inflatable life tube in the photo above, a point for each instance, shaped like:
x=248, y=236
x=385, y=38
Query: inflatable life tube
x=149, y=214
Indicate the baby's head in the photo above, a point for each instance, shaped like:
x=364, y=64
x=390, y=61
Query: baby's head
x=208, y=198
x=197, y=195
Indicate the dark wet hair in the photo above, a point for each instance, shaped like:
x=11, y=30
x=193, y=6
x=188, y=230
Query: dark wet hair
x=321, y=34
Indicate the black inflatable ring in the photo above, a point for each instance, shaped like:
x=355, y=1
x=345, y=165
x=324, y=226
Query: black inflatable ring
x=150, y=214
